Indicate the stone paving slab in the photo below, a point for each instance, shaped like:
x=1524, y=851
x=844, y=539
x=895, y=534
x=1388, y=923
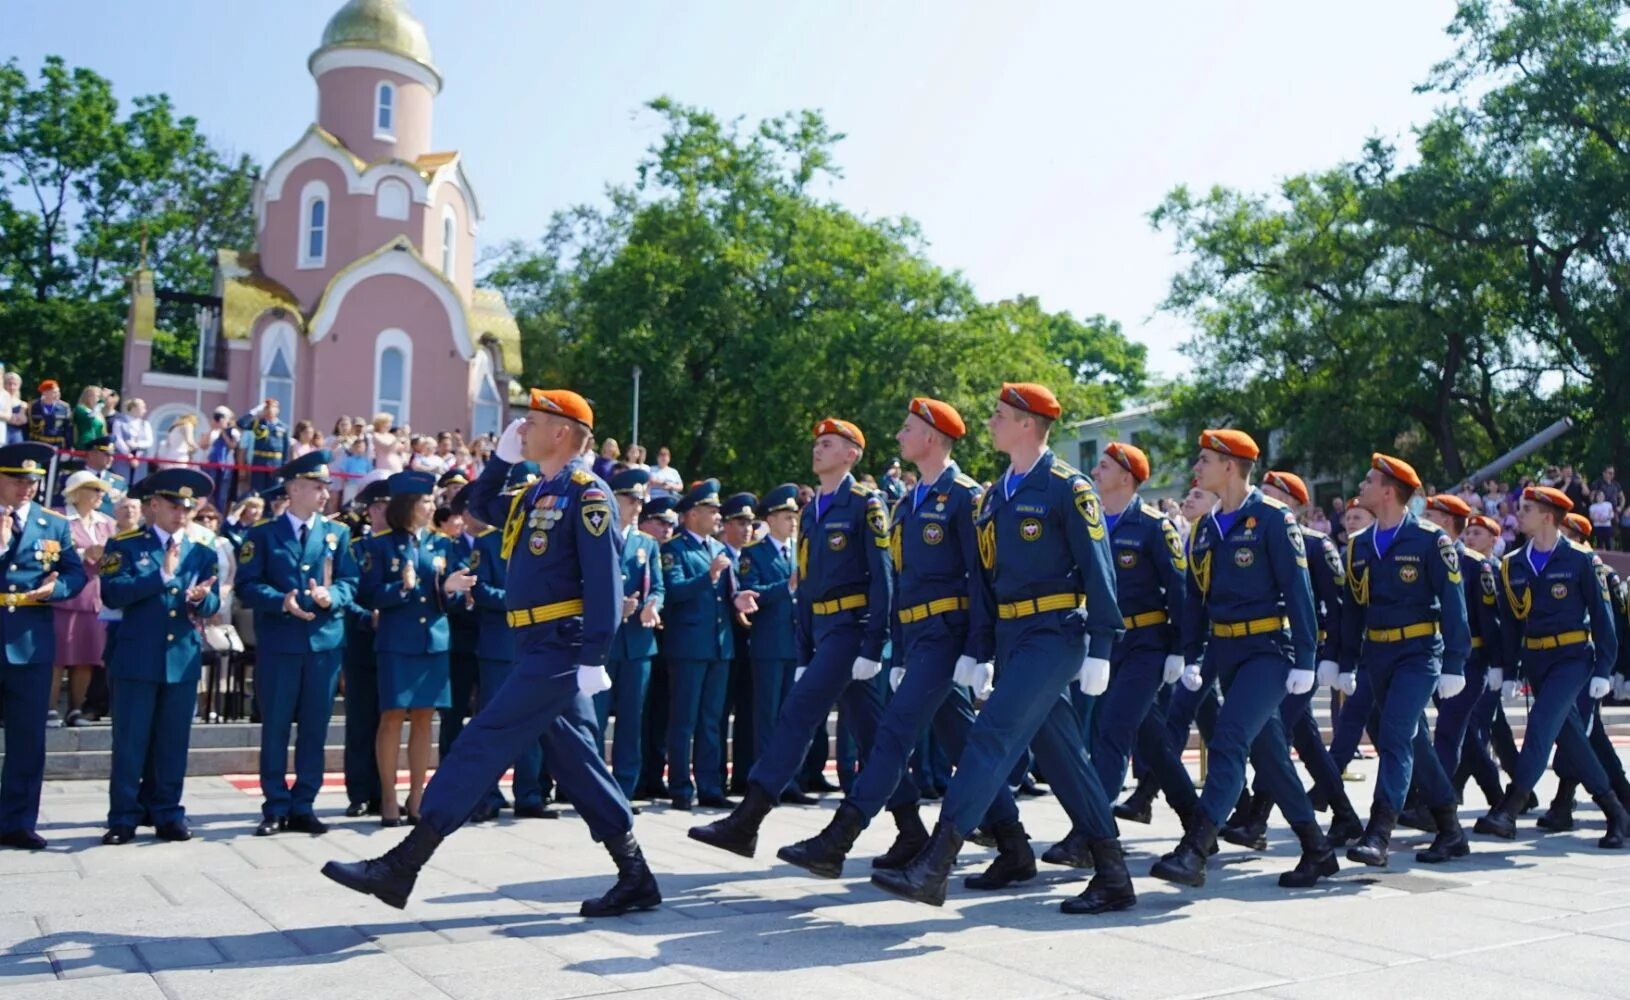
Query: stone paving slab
x=231, y=915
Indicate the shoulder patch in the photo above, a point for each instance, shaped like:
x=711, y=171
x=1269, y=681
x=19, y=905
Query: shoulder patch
x=877, y=518
x=246, y=551
x=1086, y=503
x=1451, y=558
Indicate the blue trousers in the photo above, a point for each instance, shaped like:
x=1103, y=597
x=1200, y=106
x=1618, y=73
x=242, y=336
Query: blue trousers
x=295, y=689
x=152, y=729
x=492, y=675
x=361, y=721
x=629, y=681
x=25, y=690
x=1296, y=713
x=1449, y=739
x=1039, y=656
x=772, y=679
x=540, y=699
x=1590, y=709
x=1187, y=709
x=1402, y=687
x=1554, y=718
x=926, y=696
x=1157, y=755
x=1248, y=724
x=1133, y=684
x=696, y=690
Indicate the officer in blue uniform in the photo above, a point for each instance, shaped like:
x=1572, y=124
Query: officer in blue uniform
x=635, y=643
x=296, y=572
x=658, y=520
x=163, y=585
x=1558, y=634
x=1408, y=619
x=361, y=667
x=39, y=565
x=99, y=460
x=736, y=721
x=463, y=666
x=1249, y=613
x=50, y=420
x=766, y=598
x=564, y=596
x=1048, y=575
x=845, y=593
x=267, y=444
x=1480, y=536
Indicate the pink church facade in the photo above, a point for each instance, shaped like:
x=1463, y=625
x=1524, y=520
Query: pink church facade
x=359, y=297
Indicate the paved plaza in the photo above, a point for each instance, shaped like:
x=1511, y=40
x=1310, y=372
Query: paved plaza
x=229, y=915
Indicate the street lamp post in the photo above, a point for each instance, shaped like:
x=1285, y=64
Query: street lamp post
x=634, y=438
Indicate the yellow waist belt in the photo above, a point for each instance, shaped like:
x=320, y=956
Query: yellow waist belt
x=918, y=612
x=545, y=613
x=1477, y=642
x=1256, y=626
x=837, y=604
x=1555, y=641
x=22, y=601
x=1419, y=630
x=1144, y=620
x=1036, y=605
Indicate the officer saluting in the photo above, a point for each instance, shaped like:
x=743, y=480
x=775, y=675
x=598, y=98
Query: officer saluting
x=268, y=444
x=564, y=595
x=40, y=565
x=163, y=585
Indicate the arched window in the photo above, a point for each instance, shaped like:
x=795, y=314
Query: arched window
x=277, y=366
x=385, y=112
x=393, y=374
x=314, y=223
x=488, y=414
x=449, y=241
x=391, y=199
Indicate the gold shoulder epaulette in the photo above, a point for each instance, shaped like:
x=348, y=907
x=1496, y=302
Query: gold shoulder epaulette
x=1271, y=502
x=47, y=510
x=860, y=490
x=264, y=520
x=132, y=533
x=966, y=481
x=582, y=477
x=1153, y=511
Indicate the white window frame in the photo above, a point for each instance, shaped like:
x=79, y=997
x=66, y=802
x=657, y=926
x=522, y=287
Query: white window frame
x=313, y=192
x=388, y=339
x=449, y=242
x=484, y=377
x=385, y=101
x=400, y=199
x=278, y=335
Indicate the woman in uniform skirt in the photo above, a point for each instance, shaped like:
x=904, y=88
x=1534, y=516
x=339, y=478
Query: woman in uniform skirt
x=408, y=573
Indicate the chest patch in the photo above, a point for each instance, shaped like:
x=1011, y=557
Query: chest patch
x=537, y=543
x=1559, y=590
x=1409, y=573
x=1244, y=557
x=933, y=534
x=1030, y=529
x=1126, y=558
x=836, y=540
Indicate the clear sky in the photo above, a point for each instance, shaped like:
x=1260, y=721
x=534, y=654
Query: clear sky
x=1030, y=140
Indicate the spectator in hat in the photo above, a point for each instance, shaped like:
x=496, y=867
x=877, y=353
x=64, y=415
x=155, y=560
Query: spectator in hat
x=80, y=636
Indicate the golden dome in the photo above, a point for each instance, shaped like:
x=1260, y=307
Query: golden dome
x=385, y=25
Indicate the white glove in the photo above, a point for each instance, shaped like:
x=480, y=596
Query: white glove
x=1094, y=675
x=1191, y=676
x=1495, y=680
x=1299, y=682
x=979, y=676
x=965, y=672
x=1173, y=669
x=509, y=443
x=864, y=669
x=1599, y=687
x=1450, y=685
x=592, y=680
x=1508, y=690
x=1329, y=670
x=1346, y=682
x=896, y=675
x=798, y=674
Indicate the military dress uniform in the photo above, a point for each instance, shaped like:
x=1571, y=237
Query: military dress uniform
x=697, y=644
x=155, y=661
x=414, y=637
x=50, y=423
x=635, y=644
x=361, y=672
x=117, y=486
x=736, y=721
x=268, y=447
x=1480, y=590
x=298, y=662
x=41, y=544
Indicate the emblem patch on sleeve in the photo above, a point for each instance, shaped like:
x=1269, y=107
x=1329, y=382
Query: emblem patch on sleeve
x=1086, y=501
x=246, y=551
x=596, y=518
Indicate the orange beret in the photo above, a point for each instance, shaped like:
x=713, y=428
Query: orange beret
x=1353, y=503
x=1577, y=523
x=1548, y=495
x=1290, y=482
x=1450, y=504
x=1234, y=444
x=1485, y=522
x=48, y=385
x=842, y=428
x=943, y=417
x=1031, y=398
x=563, y=403
x=1131, y=458
x=1397, y=468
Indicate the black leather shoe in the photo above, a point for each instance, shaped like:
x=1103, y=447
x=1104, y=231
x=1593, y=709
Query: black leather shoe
x=1252, y=830
x=1372, y=847
x=1186, y=864
x=1318, y=860
x=714, y=802
x=682, y=804
x=793, y=797
x=356, y=809
x=1074, y=851
x=1450, y=842
x=174, y=831
x=1501, y=821
x=271, y=825
x=1559, y=818
x=1135, y=810
x=911, y=838
x=1418, y=818
x=1029, y=789
x=1618, y=822
x=925, y=878
x=1111, y=885
x=635, y=889
x=738, y=832
x=1015, y=861
x=823, y=854
x=117, y=835
x=388, y=878
x=536, y=812
x=820, y=786
x=307, y=823
x=978, y=836
x=486, y=812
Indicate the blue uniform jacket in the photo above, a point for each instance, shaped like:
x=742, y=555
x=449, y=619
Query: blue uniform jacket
x=1417, y=581
x=52, y=425
x=697, y=623
x=268, y=445
x=843, y=553
x=766, y=571
x=271, y=562
x=410, y=621
x=1482, y=589
x=1048, y=539
x=561, y=542
x=1257, y=572
x=935, y=546
x=1568, y=600
x=1149, y=571
x=642, y=578
x=45, y=546
x=494, y=639
x=1329, y=579
x=158, y=639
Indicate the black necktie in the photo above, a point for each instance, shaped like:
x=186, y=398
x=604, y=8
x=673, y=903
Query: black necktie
x=302, y=537
x=16, y=533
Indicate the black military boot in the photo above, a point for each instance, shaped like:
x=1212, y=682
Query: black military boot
x=738, y=832
x=1252, y=830
x=1111, y=885
x=1450, y=843
x=1242, y=809
x=636, y=887
x=1415, y=815
x=1372, y=849
x=1138, y=807
x=1501, y=821
x=1074, y=851
x=390, y=878
x=1015, y=861
x=1318, y=858
x=1618, y=822
x=1345, y=826
x=823, y=853
x=1621, y=788
x=924, y=878
x=1186, y=864
x=911, y=838
x=1559, y=818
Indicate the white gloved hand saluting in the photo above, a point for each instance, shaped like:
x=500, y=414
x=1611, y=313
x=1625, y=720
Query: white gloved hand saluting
x=1329, y=670
x=1299, y=682
x=1450, y=685
x=1172, y=670
x=592, y=680
x=896, y=675
x=1496, y=678
x=1346, y=682
x=1094, y=675
x=1599, y=687
x=1191, y=676
x=509, y=443
x=865, y=670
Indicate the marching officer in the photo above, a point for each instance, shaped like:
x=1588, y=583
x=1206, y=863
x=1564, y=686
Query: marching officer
x=635, y=643
x=1558, y=634
x=1479, y=537
x=38, y=566
x=1249, y=613
x=296, y=572
x=736, y=721
x=267, y=445
x=767, y=587
x=50, y=420
x=163, y=585
x=361, y=668
x=563, y=591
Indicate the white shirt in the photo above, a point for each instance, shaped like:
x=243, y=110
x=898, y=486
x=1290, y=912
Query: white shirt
x=294, y=522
